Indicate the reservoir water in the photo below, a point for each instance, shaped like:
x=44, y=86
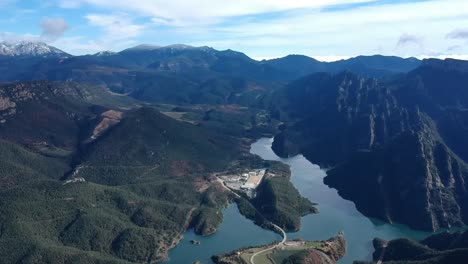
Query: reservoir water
x=336, y=214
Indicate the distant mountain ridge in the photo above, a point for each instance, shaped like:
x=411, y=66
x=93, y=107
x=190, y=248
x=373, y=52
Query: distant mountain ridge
x=142, y=47
x=172, y=56
x=372, y=66
x=110, y=157
x=146, y=72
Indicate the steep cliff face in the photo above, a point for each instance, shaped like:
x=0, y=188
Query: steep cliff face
x=415, y=179
x=440, y=248
x=396, y=148
x=44, y=113
x=336, y=115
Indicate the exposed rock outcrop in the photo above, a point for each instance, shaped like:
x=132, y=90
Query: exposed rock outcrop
x=450, y=248
x=398, y=149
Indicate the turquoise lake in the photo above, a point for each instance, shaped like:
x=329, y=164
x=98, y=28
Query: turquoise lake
x=336, y=214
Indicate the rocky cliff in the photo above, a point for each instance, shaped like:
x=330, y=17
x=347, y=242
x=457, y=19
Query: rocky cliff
x=450, y=248
x=396, y=148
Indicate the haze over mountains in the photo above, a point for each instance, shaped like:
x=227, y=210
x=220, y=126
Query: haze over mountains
x=181, y=58
x=118, y=151
x=144, y=71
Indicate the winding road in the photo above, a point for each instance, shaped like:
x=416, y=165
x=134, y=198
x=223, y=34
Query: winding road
x=227, y=188
x=285, y=237
x=384, y=247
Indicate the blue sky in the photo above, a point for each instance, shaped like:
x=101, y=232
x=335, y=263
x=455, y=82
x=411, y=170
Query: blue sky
x=324, y=29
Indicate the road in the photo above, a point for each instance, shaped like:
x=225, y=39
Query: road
x=227, y=188
x=384, y=247
x=285, y=237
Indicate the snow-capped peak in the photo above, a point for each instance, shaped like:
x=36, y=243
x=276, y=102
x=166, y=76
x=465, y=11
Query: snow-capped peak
x=26, y=48
x=105, y=53
x=173, y=47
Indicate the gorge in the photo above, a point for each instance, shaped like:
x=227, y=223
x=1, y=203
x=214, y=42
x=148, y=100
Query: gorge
x=335, y=214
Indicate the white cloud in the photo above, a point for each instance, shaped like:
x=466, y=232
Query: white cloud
x=118, y=32
x=202, y=12
x=79, y=45
x=116, y=26
x=364, y=30
x=53, y=28
x=409, y=39
x=4, y=3
x=329, y=58
x=13, y=37
x=69, y=4
x=460, y=33
x=302, y=26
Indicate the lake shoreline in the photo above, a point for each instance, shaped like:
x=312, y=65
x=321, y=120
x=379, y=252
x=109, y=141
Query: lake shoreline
x=336, y=214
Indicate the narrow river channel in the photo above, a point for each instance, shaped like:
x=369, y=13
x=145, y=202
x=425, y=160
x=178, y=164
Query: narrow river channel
x=336, y=214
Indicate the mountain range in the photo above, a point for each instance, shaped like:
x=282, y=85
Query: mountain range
x=144, y=72
x=110, y=157
x=183, y=58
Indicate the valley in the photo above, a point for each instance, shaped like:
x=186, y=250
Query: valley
x=396, y=138
x=118, y=175
x=126, y=157
x=335, y=214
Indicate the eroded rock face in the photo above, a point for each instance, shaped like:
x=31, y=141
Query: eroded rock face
x=5, y=104
x=415, y=179
x=12, y=95
x=45, y=114
x=7, y=108
x=398, y=149
x=108, y=119
x=337, y=248
x=438, y=248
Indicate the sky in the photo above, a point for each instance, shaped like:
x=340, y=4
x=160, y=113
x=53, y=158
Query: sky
x=323, y=29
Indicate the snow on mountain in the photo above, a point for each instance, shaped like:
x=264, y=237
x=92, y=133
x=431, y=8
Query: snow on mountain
x=35, y=49
x=173, y=47
x=105, y=53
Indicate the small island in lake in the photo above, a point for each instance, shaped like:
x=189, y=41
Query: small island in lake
x=195, y=242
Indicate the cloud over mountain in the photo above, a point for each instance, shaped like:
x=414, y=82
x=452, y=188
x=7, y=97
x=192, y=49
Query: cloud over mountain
x=408, y=39
x=461, y=33
x=53, y=28
x=316, y=28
